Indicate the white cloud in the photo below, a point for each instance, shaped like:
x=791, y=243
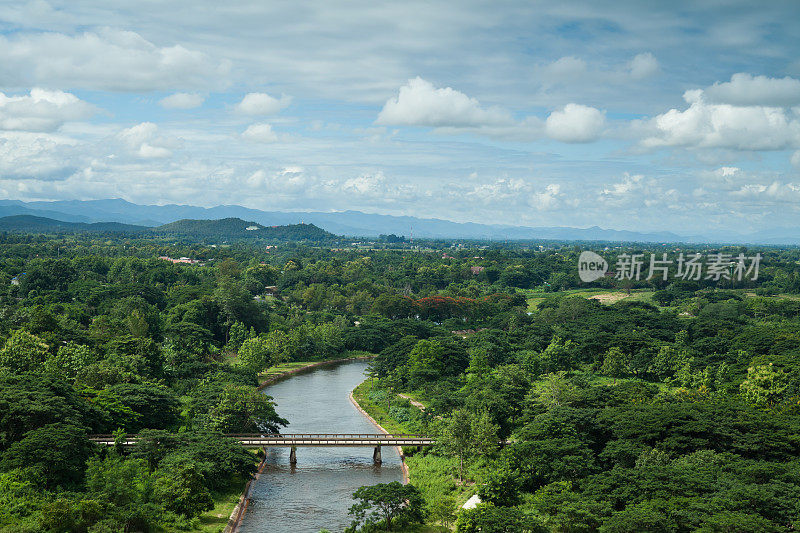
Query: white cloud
x=516, y=192
x=369, y=185
x=548, y=198
x=419, y=103
x=748, y=90
x=575, y=123
x=643, y=66
x=629, y=184
x=285, y=181
x=108, y=59
x=775, y=191
x=144, y=141
x=568, y=68
x=41, y=110
x=636, y=191
x=148, y=151
x=796, y=159
x=262, y=104
x=39, y=156
x=261, y=133
x=182, y=101
x=502, y=190
x=705, y=125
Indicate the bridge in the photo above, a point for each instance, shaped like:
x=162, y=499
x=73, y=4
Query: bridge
x=295, y=440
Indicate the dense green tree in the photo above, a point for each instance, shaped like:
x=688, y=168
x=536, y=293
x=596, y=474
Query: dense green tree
x=180, y=488
x=243, y=409
x=23, y=352
x=486, y=518
x=157, y=406
x=764, y=386
x=457, y=437
x=502, y=488
x=236, y=336
x=387, y=502
x=70, y=359
x=615, y=363
x=126, y=487
x=29, y=401
x=55, y=452
x=255, y=354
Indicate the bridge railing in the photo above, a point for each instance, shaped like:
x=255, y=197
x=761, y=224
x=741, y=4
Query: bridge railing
x=327, y=435
x=287, y=436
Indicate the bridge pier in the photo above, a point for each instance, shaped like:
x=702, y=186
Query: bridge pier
x=376, y=455
x=293, y=456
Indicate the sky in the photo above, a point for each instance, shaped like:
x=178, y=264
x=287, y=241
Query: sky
x=679, y=116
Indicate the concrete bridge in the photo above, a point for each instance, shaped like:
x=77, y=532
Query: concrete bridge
x=295, y=440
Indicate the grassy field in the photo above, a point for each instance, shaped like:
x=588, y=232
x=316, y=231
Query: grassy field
x=287, y=368
x=605, y=296
x=283, y=368
x=377, y=412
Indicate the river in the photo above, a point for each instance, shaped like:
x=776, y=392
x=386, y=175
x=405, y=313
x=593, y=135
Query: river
x=316, y=493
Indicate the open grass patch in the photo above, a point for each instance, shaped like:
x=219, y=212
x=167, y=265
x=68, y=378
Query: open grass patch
x=605, y=296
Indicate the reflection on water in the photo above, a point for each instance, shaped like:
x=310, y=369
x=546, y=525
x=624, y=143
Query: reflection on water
x=316, y=493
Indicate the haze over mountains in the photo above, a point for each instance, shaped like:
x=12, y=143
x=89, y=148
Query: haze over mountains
x=357, y=224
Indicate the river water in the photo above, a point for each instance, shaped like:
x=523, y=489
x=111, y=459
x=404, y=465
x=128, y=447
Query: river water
x=317, y=492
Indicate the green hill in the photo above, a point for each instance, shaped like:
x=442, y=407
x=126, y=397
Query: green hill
x=34, y=224
x=224, y=229
x=236, y=228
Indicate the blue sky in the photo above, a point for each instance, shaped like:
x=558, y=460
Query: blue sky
x=684, y=116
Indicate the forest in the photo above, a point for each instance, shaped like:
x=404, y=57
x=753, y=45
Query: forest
x=673, y=405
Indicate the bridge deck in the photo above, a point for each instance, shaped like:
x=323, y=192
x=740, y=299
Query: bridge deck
x=303, y=439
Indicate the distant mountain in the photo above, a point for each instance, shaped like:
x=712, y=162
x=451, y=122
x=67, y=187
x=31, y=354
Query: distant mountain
x=357, y=224
x=11, y=208
x=33, y=224
x=224, y=229
x=236, y=228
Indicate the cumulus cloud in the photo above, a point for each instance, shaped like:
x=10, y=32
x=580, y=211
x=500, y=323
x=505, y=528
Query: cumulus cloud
x=41, y=110
x=262, y=104
x=38, y=156
x=145, y=141
x=628, y=184
x=261, y=133
x=775, y=191
x=636, y=191
x=575, y=123
x=371, y=185
x=182, y=101
x=568, y=68
x=748, y=90
x=419, y=103
x=643, y=66
x=517, y=192
x=548, y=198
x=291, y=179
x=707, y=125
x=107, y=59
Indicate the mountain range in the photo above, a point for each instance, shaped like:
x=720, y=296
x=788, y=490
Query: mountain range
x=357, y=224
x=223, y=229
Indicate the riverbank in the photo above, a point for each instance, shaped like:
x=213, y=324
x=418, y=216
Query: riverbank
x=285, y=370
x=432, y=474
x=239, y=510
x=403, y=465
